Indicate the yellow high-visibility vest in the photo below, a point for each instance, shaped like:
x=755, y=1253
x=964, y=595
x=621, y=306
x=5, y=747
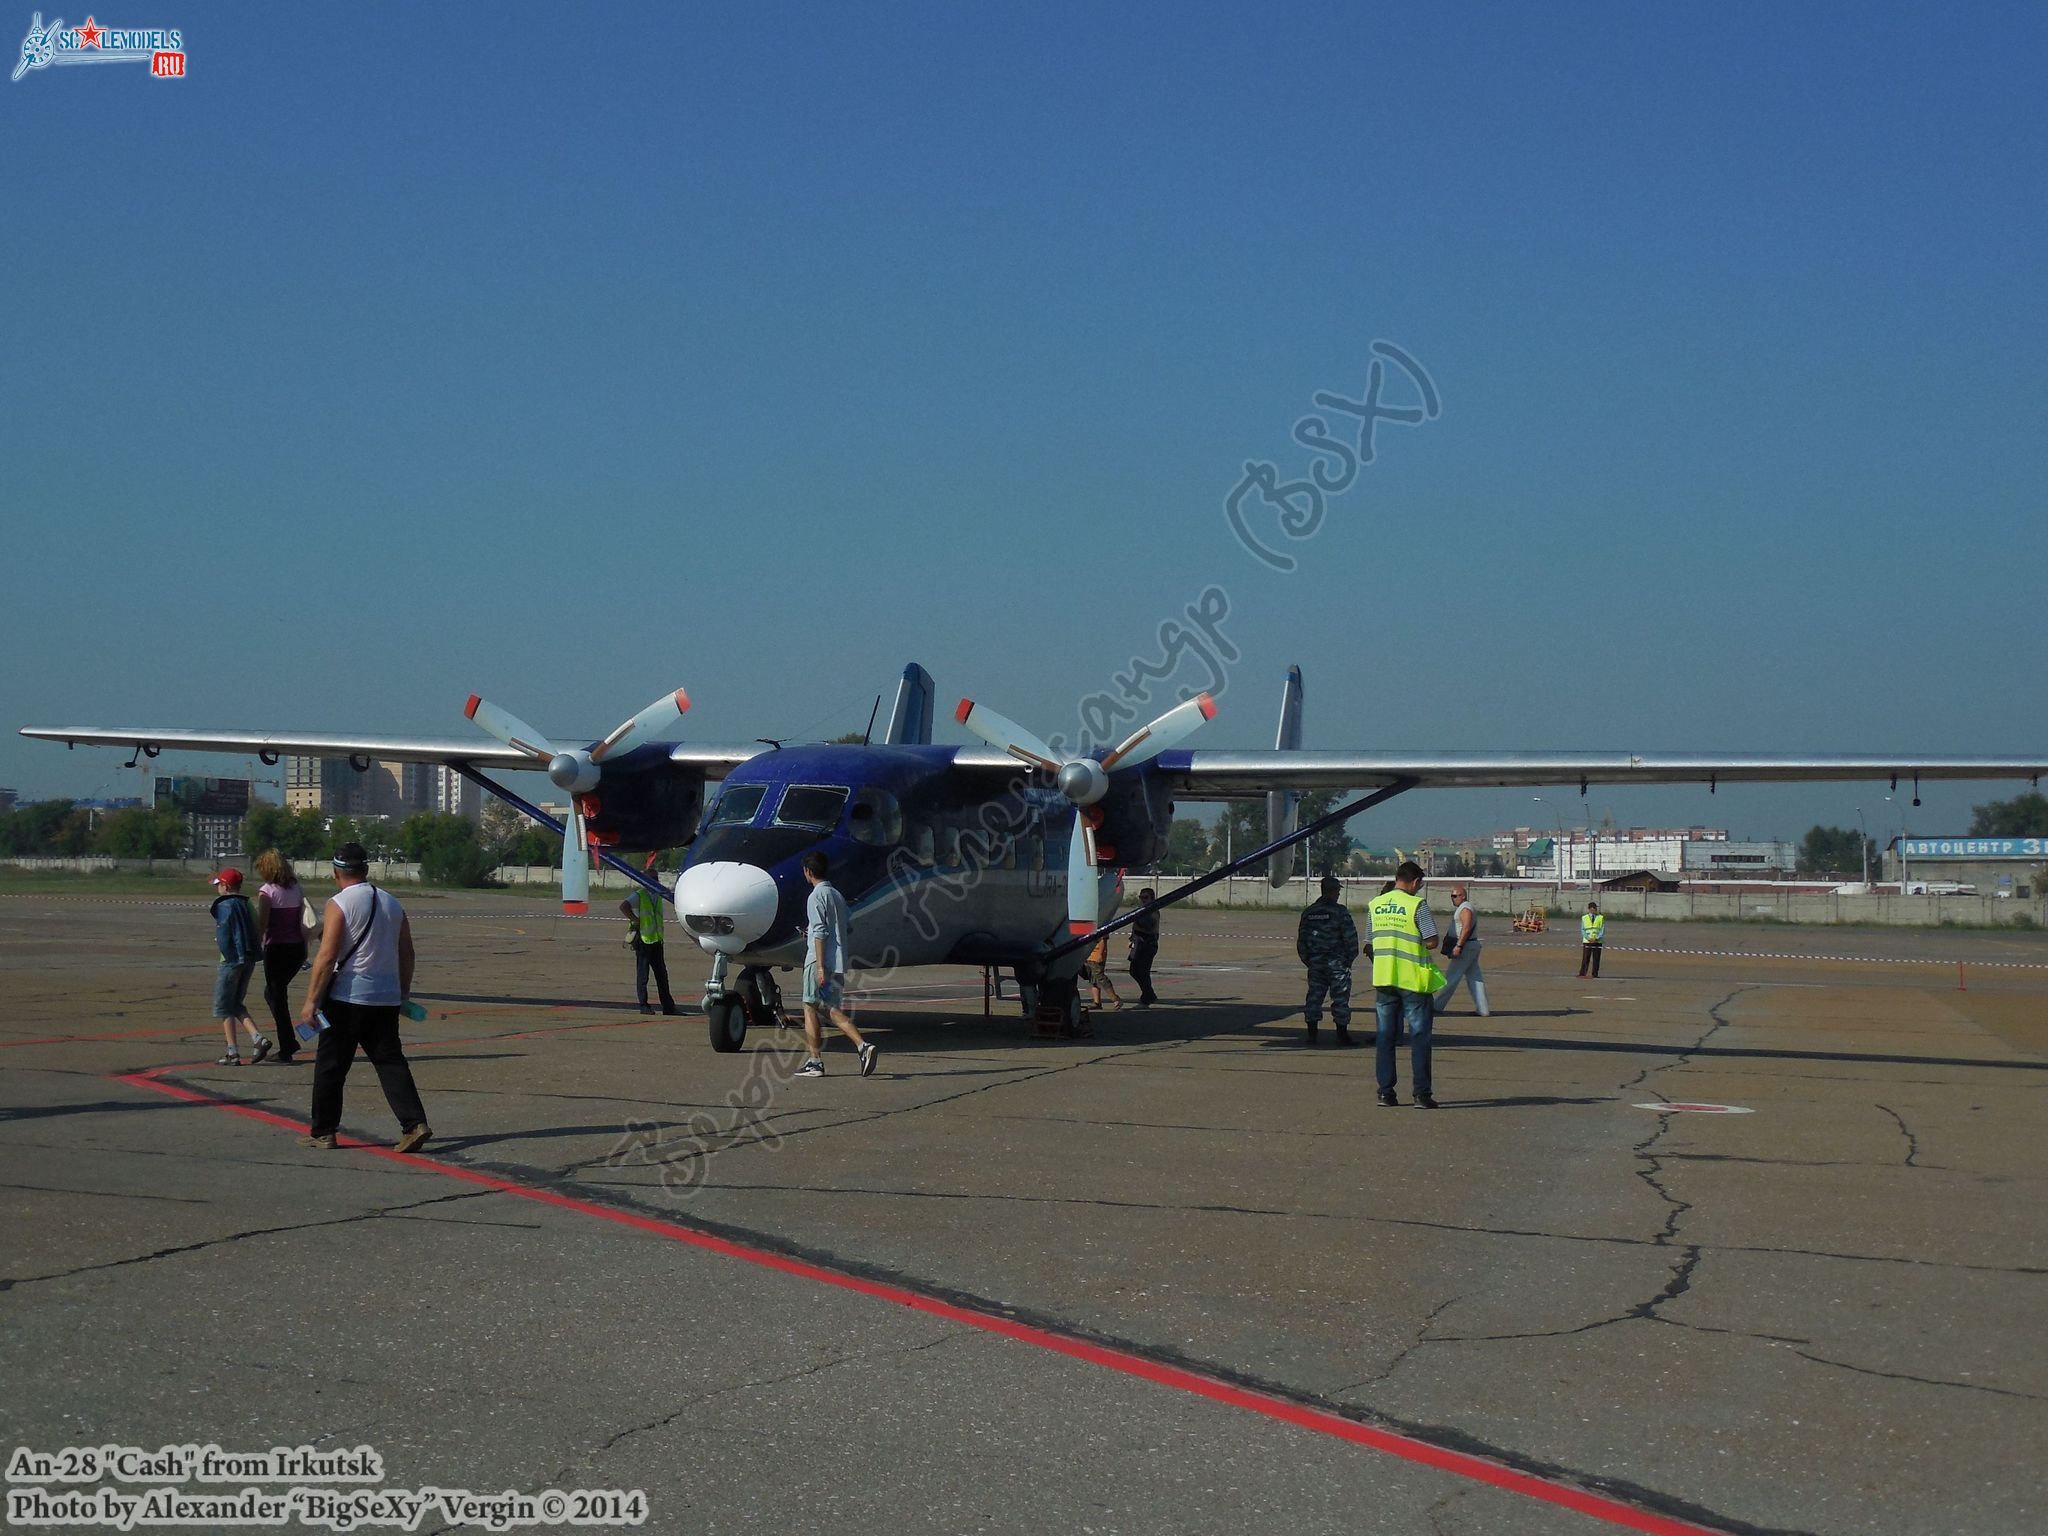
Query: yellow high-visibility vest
x=648, y=915
x=1592, y=926
x=1398, y=956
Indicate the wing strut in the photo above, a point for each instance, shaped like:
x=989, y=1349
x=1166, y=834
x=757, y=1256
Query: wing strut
x=638, y=876
x=1223, y=871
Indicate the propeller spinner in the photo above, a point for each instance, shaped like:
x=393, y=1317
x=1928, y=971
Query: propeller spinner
x=1084, y=781
x=576, y=771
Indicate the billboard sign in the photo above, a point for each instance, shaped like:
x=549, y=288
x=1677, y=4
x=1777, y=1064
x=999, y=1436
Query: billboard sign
x=1974, y=847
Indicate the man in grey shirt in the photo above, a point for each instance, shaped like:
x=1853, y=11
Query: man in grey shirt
x=825, y=970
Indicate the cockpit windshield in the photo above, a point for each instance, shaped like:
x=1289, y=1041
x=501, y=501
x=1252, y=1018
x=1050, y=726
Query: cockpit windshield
x=811, y=805
x=736, y=805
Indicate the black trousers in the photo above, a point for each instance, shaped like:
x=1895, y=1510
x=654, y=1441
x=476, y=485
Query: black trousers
x=376, y=1031
x=1142, y=956
x=281, y=963
x=1589, y=954
x=650, y=957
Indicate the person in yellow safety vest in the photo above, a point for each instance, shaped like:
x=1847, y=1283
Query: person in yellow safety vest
x=1592, y=931
x=648, y=924
x=1404, y=978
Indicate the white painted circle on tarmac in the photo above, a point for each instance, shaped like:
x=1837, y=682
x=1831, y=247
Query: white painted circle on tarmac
x=1699, y=1109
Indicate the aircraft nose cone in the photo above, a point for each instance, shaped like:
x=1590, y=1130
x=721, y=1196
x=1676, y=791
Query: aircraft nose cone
x=725, y=907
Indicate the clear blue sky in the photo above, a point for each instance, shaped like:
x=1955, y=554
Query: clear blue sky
x=568, y=355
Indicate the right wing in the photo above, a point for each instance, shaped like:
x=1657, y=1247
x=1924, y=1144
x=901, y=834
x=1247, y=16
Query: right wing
x=475, y=751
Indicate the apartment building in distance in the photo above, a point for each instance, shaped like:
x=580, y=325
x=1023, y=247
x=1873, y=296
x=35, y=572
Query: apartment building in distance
x=336, y=787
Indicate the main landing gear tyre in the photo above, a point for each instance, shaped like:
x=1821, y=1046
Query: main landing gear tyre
x=728, y=1016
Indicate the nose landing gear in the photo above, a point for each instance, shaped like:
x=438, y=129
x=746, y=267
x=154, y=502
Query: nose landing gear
x=754, y=999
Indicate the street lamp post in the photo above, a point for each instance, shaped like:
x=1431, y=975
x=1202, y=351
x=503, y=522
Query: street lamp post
x=1863, y=842
x=1592, y=852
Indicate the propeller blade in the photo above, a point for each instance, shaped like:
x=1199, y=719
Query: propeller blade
x=576, y=865
x=1006, y=735
x=510, y=729
x=1169, y=730
x=645, y=726
x=1084, y=885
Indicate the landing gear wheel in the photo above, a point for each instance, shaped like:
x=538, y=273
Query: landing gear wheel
x=728, y=1016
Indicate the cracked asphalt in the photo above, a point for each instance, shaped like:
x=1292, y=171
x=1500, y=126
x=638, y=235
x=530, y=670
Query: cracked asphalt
x=1824, y=1315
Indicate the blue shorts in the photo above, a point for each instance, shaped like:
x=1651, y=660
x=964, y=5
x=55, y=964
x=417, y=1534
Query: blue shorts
x=231, y=989
x=823, y=992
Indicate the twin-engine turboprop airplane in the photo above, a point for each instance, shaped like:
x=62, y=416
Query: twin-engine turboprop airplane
x=996, y=855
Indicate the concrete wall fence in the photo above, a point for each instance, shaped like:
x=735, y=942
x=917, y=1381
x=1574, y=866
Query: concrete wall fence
x=602, y=877
x=1509, y=898
x=1498, y=898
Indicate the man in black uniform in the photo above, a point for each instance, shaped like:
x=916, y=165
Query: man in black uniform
x=1326, y=941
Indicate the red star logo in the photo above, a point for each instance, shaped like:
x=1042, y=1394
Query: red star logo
x=89, y=35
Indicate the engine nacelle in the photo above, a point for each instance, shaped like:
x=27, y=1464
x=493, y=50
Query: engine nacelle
x=1137, y=815
x=645, y=801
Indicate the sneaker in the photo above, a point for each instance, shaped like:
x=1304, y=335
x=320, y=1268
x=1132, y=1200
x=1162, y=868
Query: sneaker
x=811, y=1068
x=1389, y=1099
x=413, y=1139
x=1425, y=1101
x=867, y=1060
x=262, y=1050
x=229, y=1060
x=317, y=1143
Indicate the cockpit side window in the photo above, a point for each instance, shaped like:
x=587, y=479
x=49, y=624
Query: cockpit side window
x=736, y=805
x=811, y=805
x=876, y=818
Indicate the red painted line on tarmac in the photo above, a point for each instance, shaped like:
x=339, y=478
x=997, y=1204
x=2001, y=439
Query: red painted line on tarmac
x=1477, y=1469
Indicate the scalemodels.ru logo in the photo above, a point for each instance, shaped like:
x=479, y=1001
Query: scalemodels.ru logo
x=161, y=48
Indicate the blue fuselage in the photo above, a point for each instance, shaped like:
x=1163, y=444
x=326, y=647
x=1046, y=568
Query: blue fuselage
x=936, y=865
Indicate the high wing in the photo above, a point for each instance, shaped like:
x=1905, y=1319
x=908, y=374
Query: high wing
x=713, y=761
x=1242, y=775
x=1229, y=775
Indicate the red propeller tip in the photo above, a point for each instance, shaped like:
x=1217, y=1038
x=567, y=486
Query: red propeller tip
x=469, y=709
x=966, y=708
x=1208, y=707
x=1077, y=929
x=575, y=908
x=682, y=702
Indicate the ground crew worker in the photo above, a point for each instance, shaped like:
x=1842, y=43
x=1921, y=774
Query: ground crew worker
x=1592, y=930
x=1403, y=934
x=1144, y=950
x=649, y=924
x=1326, y=941
x=1461, y=948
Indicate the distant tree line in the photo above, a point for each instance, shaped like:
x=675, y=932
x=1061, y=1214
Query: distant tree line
x=63, y=829
x=1836, y=851
x=450, y=850
x=1194, y=849
x=2026, y=816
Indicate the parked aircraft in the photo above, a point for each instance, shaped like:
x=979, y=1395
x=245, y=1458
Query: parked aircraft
x=1002, y=855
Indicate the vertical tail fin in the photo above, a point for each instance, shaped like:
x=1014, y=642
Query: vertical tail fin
x=910, y=719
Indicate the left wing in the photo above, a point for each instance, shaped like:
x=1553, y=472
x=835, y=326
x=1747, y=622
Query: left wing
x=1231, y=775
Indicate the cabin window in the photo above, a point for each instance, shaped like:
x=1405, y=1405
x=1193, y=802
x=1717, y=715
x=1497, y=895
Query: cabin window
x=737, y=804
x=811, y=805
x=875, y=819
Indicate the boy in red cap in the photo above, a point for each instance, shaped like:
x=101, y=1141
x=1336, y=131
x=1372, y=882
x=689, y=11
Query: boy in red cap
x=241, y=946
